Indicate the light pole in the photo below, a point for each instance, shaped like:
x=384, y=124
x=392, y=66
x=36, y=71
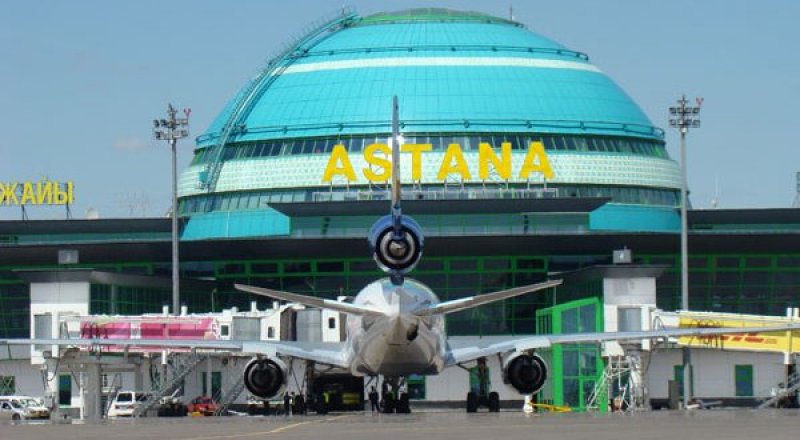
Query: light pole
x=684, y=117
x=170, y=130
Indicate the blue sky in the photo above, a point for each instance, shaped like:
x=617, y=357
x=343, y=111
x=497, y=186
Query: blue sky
x=80, y=82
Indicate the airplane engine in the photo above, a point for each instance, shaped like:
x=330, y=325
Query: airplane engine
x=265, y=378
x=527, y=373
x=396, y=255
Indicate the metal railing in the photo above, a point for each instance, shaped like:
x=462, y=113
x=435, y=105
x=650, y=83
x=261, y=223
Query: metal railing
x=782, y=390
x=181, y=364
x=442, y=193
x=226, y=398
x=624, y=372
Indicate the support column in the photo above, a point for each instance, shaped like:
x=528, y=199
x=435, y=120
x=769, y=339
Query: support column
x=92, y=390
x=114, y=299
x=138, y=375
x=51, y=382
x=208, y=378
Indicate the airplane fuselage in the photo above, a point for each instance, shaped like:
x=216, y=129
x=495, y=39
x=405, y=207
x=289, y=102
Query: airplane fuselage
x=399, y=343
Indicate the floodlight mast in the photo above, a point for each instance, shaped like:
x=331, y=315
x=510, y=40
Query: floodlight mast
x=796, y=203
x=684, y=117
x=170, y=130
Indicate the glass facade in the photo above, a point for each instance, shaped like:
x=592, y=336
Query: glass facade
x=737, y=283
x=575, y=369
x=250, y=198
x=439, y=142
x=15, y=309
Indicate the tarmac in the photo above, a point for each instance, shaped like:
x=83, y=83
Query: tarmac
x=438, y=425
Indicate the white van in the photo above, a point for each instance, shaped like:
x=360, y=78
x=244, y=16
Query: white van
x=125, y=403
x=29, y=407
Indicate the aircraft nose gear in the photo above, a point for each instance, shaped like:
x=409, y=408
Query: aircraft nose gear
x=394, y=396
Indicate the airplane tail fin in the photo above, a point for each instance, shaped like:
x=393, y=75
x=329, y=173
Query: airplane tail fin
x=396, y=187
x=460, y=304
x=396, y=240
x=322, y=303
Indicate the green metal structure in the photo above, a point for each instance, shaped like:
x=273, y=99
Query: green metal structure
x=574, y=369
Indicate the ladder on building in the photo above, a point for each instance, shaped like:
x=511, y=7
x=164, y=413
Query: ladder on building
x=783, y=390
x=181, y=364
x=623, y=373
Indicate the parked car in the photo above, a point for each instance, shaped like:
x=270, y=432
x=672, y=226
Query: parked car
x=32, y=407
x=11, y=411
x=203, y=405
x=125, y=403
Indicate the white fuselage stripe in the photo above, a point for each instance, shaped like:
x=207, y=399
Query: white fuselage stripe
x=440, y=62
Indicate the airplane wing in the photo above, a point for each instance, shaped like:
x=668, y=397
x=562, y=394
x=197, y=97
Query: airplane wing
x=480, y=349
x=322, y=303
x=329, y=353
x=457, y=305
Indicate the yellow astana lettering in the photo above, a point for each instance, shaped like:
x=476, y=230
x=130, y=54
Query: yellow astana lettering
x=536, y=161
x=383, y=164
x=339, y=165
x=487, y=156
x=416, y=157
x=454, y=163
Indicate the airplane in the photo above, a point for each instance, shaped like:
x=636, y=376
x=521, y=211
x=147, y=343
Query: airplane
x=395, y=325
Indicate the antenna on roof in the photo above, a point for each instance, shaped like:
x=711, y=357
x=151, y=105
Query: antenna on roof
x=715, y=200
x=511, y=11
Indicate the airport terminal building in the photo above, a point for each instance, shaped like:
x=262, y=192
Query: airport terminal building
x=522, y=162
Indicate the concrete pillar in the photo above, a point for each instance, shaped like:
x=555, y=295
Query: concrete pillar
x=145, y=368
x=92, y=390
x=209, y=392
x=114, y=299
x=51, y=386
x=138, y=375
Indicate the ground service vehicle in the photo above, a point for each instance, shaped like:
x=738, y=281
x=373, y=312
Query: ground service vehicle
x=203, y=405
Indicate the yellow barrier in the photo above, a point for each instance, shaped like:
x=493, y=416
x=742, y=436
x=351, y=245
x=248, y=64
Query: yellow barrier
x=551, y=408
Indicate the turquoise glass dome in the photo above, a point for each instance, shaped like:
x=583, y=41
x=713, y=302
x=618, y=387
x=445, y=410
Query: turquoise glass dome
x=452, y=71
x=461, y=78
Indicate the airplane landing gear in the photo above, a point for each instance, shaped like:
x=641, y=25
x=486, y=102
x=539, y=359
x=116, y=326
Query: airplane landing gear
x=393, y=397
x=483, y=397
